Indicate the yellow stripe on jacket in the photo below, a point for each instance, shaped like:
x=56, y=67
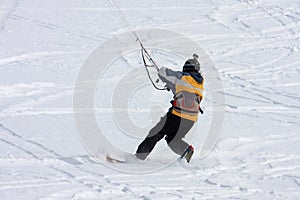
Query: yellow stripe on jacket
x=188, y=84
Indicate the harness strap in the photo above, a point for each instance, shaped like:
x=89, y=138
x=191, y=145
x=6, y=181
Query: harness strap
x=186, y=111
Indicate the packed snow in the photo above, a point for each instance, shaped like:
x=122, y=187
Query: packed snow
x=254, y=45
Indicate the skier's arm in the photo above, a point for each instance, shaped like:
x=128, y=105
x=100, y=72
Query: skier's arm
x=169, y=77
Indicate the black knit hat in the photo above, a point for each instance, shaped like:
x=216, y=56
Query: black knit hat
x=191, y=65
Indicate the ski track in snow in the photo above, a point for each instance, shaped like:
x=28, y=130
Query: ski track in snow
x=54, y=27
x=7, y=7
x=255, y=46
x=28, y=57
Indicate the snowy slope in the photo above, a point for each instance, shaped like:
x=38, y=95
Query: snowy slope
x=254, y=44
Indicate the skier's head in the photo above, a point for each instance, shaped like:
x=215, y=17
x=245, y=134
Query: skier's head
x=191, y=65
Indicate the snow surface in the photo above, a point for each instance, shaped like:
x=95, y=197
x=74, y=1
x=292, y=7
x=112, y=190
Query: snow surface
x=254, y=44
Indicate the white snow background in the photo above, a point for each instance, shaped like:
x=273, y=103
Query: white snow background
x=254, y=44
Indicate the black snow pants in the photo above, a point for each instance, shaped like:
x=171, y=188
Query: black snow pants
x=174, y=129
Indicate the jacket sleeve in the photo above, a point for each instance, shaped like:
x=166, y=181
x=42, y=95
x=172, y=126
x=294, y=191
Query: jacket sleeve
x=169, y=77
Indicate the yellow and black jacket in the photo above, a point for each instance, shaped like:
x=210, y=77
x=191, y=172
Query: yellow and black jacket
x=187, y=88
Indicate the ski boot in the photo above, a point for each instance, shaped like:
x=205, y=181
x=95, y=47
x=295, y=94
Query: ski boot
x=188, y=153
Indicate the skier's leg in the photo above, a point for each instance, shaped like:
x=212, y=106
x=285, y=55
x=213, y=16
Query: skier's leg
x=175, y=138
x=147, y=146
x=178, y=145
x=155, y=134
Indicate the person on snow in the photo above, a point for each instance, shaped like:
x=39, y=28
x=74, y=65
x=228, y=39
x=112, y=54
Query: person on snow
x=187, y=87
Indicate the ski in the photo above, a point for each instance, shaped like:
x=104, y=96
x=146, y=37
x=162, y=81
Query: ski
x=114, y=160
